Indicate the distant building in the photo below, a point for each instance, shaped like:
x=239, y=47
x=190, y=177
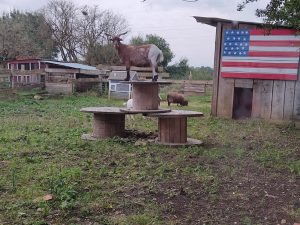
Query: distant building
x=26, y=71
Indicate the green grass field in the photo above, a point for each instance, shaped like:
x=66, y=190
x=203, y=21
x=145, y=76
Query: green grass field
x=247, y=171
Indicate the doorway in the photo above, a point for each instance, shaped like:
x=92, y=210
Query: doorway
x=242, y=103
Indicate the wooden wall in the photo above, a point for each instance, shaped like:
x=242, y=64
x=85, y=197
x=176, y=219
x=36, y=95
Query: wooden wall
x=59, y=88
x=272, y=99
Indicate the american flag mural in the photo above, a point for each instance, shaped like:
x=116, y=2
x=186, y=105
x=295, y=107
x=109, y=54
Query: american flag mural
x=256, y=54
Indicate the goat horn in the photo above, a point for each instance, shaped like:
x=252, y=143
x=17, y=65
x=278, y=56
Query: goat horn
x=123, y=33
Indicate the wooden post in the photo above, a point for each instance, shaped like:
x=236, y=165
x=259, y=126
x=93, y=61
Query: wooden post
x=108, y=122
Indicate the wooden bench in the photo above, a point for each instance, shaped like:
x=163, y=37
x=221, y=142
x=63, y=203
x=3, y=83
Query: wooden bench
x=108, y=122
x=173, y=127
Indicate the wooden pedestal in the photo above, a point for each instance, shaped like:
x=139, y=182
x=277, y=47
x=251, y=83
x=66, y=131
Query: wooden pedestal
x=172, y=130
x=145, y=96
x=108, y=122
x=108, y=125
x=173, y=127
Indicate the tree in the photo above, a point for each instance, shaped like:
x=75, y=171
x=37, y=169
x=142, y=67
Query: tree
x=25, y=34
x=278, y=12
x=61, y=17
x=179, y=70
x=159, y=42
x=92, y=28
x=102, y=54
x=79, y=31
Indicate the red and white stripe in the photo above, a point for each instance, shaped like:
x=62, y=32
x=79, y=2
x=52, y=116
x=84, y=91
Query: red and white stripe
x=272, y=56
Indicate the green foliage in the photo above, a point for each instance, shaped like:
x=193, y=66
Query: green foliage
x=159, y=42
x=64, y=185
x=179, y=70
x=295, y=167
x=182, y=71
x=201, y=73
x=102, y=54
x=25, y=34
x=278, y=12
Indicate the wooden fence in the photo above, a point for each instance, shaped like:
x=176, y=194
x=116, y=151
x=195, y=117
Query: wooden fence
x=193, y=87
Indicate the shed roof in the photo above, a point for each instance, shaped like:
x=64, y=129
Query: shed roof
x=71, y=65
x=213, y=21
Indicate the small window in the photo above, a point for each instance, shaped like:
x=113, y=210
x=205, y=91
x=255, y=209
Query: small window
x=27, y=66
x=113, y=87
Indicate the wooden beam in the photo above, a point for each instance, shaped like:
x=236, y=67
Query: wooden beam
x=58, y=70
x=216, y=73
x=123, y=68
x=278, y=100
x=289, y=100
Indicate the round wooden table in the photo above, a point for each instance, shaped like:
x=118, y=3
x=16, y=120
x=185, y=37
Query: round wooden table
x=108, y=122
x=173, y=127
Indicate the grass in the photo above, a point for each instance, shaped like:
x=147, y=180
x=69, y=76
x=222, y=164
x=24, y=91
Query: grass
x=114, y=181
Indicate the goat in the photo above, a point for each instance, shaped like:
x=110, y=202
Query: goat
x=174, y=97
x=142, y=55
x=129, y=103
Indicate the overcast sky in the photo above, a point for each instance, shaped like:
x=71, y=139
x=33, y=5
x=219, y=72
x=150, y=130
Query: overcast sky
x=169, y=19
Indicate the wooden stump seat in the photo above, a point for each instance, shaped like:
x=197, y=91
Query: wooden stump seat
x=173, y=127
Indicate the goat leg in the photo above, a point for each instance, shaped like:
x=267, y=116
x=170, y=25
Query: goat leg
x=155, y=78
x=128, y=76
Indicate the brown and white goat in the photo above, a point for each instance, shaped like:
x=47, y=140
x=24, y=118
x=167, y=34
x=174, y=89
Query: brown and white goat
x=176, y=98
x=141, y=56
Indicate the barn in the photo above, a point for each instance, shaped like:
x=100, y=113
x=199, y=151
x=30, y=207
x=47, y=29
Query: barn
x=256, y=71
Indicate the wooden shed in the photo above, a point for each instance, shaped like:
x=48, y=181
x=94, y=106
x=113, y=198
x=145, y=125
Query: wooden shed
x=256, y=71
x=66, y=77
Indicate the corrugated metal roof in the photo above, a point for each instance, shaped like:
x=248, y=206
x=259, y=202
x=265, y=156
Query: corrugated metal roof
x=213, y=21
x=71, y=65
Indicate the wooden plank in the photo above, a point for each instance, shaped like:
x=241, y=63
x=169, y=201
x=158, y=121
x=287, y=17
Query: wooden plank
x=92, y=72
x=256, y=100
x=172, y=130
x=164, y=130
x=133, y=68
x=278, y=100
x=177, y=130
x=296, y=115
x=225, y=97
x=183, y=124
x=216, y=73
x=289, y=96
x=266, y=98
x=243, y=83
x=53, y=70
x=192, y=82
